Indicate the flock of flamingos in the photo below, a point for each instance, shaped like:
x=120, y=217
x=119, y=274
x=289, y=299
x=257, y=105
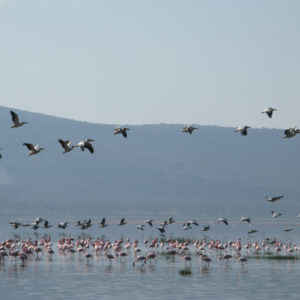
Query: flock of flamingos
x=139, y=253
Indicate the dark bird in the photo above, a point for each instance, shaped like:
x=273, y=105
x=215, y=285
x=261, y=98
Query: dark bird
x=103, y=223
x=46, y=224
x=86, y=144
x=16, y=121
x=150, y=222
x=66, y=145
x=122, y=222
x=205, y=228
x=189, y=129
x=161, y=229
x=62, y=225
x=252, y=231
x=273, y=199
x=121, y=130
x=33, y=149
x=291, y=132
x=269, y=111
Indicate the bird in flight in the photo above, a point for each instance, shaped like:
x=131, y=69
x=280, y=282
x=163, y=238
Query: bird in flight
x=269, y=111
x=189, y=129
x=243, y=130
x=120, y=130
x=86, y=144
x=15, y=119
x=273, y=199
x=33, y=149
x=66, y=145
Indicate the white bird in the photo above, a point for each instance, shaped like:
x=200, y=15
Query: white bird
x=15, y=119
x=273, y=199
x=269, y=111
x=291, y=132
x=224, y=220
x=66, y=145
x=86, y=144
x=121, y=130
x=245, y=219
x=242, y=130
x=33, y=149
x=189, y=129
x=275, y=215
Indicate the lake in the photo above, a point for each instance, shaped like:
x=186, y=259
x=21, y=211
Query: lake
x=70, y=276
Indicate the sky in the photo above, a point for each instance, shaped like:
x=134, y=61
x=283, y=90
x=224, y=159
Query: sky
x=201, y=62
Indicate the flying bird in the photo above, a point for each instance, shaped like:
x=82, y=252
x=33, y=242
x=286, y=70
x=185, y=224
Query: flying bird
x=269, y=111
x=224, y=220
x=291, y=132
x=86, y=144
x=275, y=215
x=66, y=145
x=245, y=219
x=243, y=130
x=122, y=222
x=150, y=222
x=15, y=119
x=121, y=130
x=189, y=129
x=33, y=149
x=205, y=228
x=103, y=223
x=273, y=199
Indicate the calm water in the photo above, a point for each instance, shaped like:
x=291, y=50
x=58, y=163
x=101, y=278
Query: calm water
x=70, y=277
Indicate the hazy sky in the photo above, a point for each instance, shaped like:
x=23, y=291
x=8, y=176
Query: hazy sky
x=135, y=62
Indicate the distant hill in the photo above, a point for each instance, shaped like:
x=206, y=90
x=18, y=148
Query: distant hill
x=156, y=170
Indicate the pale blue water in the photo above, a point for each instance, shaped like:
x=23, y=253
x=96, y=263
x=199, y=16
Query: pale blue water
x=70, y=277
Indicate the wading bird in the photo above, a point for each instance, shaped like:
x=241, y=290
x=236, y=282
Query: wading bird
x=33, y=149
x=15, y=119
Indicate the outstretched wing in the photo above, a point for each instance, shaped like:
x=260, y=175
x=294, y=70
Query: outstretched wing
x=29, y=146
x=89, y=146
x=14, y=117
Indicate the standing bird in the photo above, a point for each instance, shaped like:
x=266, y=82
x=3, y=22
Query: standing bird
x=189, y=129
x=273, y=199
x=66, y=145
x=86, y=144
x=242, y=130
x=33, y=149
x=269, y=111
x=119, y=130
x=15, y=119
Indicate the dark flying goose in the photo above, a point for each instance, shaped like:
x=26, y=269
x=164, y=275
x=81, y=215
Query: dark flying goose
x=189, y=129
x=16, y=121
